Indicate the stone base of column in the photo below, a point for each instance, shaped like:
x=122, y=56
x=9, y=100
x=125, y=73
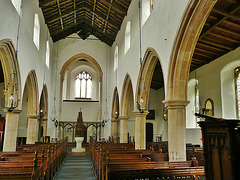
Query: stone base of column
x=123, y=129
x=79, y=148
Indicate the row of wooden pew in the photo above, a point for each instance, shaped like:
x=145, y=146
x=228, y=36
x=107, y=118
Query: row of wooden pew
x=120, y=161
x=39, y=161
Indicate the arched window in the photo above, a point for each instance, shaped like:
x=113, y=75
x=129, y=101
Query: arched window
x=237, y=87
x=193, y=107
x=127, y=37
x=17, y=5
x=36, y=30
x=83, y=85
x=116, y=58
x=209, y=107
x=47, y=54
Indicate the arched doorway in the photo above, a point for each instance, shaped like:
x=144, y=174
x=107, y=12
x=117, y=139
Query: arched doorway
x=149, y=132
x=10, y=65
x=115, y=116
x=127, y=95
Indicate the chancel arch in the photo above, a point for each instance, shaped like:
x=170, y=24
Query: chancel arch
x=10, y=67
x=176, y=101
x=115, y=116
x=150, y=78
x=126, y=97
x=72, y=68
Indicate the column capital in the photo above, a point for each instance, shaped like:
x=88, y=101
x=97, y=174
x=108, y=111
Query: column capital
x=34, y=116
x=123, y=118
x=15, y=111
x=139, y=114
x=114, y=120
x=176, y=103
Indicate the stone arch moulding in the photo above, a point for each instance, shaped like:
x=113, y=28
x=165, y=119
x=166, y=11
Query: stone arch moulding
x=194, y=17
x=150, y=60
x=44, y=95
x=64, y=69
x=192, y=23
x=32, y=93
x=127, y=91
x=114, y=118
x=10, y=65
x=115, y=103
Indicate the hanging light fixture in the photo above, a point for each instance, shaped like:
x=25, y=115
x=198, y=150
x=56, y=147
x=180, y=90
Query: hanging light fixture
x=11, y=89
x=116, y=116
x=12, y=86
x=140, y=102
x=54, y=115
x=105, y=115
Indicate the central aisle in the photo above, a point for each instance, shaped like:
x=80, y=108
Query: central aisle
x=76, y=167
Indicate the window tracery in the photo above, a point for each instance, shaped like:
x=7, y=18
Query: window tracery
x=83, y=85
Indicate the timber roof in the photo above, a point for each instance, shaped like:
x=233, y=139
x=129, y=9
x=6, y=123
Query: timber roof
x=101, y=18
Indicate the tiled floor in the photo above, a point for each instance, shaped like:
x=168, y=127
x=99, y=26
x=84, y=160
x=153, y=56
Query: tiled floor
x=76, y=167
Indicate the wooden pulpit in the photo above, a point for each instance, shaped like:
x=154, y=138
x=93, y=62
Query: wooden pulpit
x=221, y=148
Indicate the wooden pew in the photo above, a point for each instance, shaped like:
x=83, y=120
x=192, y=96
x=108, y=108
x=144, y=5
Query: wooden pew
x=122, y=161
x=27, y=163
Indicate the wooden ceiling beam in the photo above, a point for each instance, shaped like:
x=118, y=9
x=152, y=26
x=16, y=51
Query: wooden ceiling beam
x=227, y=31
x=208, y=46
x=223, y=37
x=203, y=55
x=219, y=22
x=81, y=7
x=199, y=61
x=227, y=14
x=206, y=51
x=216, y=44
x=117, y=7
x=43, y=3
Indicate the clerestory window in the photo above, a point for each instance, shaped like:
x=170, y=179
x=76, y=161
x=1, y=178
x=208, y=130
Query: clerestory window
x=36, y=30
x=83, y=85
x=17, y=5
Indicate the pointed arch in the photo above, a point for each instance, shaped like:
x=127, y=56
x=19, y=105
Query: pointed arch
x=145, y=76
x=193, y=20
x=127, y=92
x=10, y=65
x=32, y=93
x=115, y=103
x=64, y=69
x=44, y=100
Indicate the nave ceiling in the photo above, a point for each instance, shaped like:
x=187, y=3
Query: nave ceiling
x=101, y=18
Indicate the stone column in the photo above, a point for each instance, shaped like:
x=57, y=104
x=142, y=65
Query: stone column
x=11, y=129
x=32, y=128
x=176, y=129
x=114, y=129
x=140, y=129
x=123, y=129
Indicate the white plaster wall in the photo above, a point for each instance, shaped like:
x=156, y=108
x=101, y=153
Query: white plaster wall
x=90, y=111
x=209, y=83
x=158, y=32
x=29, y=57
